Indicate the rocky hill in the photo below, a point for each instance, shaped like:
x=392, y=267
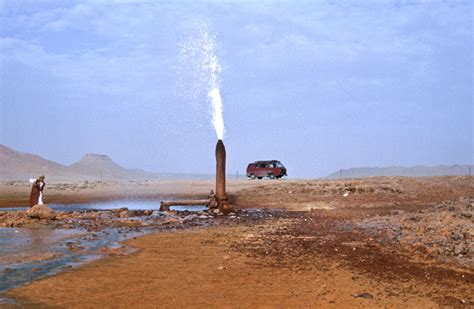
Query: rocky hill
x=102, y=165
x=15, y=165
x=415, y=171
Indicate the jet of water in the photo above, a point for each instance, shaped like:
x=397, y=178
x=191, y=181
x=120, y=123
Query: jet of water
x=212, y=66
x=199, y=57
x=217, y=113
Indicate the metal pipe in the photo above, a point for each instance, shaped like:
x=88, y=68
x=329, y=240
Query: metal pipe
x=220, y=169
x=221, y=196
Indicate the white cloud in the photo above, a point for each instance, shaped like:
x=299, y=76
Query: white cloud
x=90, y=71
x=140, y=38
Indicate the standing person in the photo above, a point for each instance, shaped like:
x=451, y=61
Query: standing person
x=36, y=196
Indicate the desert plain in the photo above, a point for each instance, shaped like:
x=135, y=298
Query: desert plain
x=394, y=242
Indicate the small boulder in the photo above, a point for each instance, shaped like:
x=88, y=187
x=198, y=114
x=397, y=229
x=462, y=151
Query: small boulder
x=363, y=295
x=41, y=212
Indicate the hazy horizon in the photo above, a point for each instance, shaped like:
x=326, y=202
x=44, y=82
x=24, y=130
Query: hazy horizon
x=319, y=85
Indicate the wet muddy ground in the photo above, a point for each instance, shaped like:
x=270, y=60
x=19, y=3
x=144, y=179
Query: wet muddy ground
x=374, y=243
x=34, y=248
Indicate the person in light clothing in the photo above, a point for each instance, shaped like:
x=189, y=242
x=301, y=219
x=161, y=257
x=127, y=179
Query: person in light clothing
x=36, y=196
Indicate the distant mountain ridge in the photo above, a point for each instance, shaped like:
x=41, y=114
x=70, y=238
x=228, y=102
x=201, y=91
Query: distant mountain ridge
x=92, y=163
x=15, y=165
x=414, y=171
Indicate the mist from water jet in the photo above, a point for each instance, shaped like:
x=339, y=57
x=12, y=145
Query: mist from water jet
x=200, y=70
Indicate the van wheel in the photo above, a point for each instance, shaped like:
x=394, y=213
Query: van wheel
x=259, y=177
x=271, y=176
x=252, y=176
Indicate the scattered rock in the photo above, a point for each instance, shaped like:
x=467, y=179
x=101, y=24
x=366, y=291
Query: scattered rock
x=443, y=231
x=363, y=295
x=73, y=247
x=171, y=221
x=189, y=218
x=42, y=212
x=113, y=251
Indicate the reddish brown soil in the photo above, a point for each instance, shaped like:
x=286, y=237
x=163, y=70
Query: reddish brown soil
x=377, y=192
x=324, y=257
x=200, y=269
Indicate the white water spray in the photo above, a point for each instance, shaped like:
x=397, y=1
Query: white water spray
x=201, y=62
x=217, y=113
x=212, y=66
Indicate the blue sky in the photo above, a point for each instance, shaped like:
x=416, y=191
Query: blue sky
x=319, y=85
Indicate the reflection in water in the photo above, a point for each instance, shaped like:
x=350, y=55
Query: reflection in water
x=27, y=254
x=18, y=245
x=130, y=204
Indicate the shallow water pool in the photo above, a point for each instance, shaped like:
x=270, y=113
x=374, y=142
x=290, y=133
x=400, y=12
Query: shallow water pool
x=130, y=204
x=27, y=254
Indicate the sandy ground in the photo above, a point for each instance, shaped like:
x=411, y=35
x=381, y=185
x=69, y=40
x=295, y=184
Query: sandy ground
x=199, y=269
x=17, y=193
x=348, y=243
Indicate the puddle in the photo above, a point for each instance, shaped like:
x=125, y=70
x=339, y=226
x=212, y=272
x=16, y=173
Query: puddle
x=28, y=254
x=22, y=244
x=130, y=204
x=7, y=301
x=188, y=208
x=31, y=253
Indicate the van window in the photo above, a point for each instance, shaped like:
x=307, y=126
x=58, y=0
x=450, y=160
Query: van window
x=262, y=165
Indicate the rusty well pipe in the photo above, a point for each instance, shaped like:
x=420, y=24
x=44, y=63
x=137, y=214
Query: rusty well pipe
x=220, y=170
x=221, y=196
